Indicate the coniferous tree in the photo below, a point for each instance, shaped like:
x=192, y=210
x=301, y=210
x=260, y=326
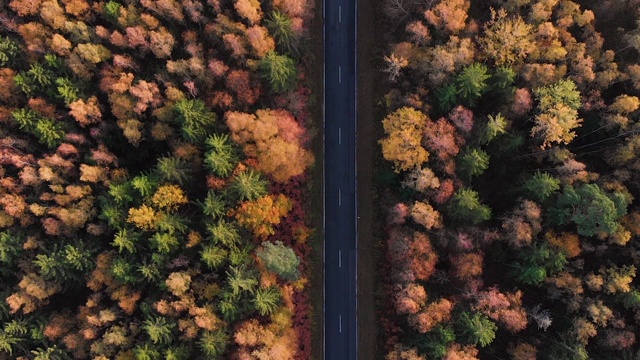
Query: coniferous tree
x=466, y=206
x=280, y=259
x=248, y=185
x=222, y=158
x=477, y=328
x=266, y=300
x=281, y=27
x=279, y=71
x=194, y=118
x=213, y=256
x=472, y=83
x=158, y=329
x=213, y=343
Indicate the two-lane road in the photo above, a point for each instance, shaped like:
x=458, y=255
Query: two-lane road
x=340, y=213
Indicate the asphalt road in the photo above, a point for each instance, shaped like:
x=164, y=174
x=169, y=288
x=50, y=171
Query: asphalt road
x=340, y=267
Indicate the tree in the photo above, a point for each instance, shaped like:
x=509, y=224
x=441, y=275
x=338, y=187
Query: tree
x=168, y=168
x=472, y=83
x=466, y=206
x=507, y=39
x=262, y=214
x=281, y=28
x=274, y=138
x=158, y=329
x=248, y=185
x=194, y=118
x=266, y=300
x=213, y=256
x=425, y=215
x=541, y=186
x=449, y=15
x=557, y=112
x=477, y=328
x=404, y=129
x=213, y=343
x=221, y=158
x=169, y=197
x=9, y=51
x=433, y=314
x=279, y=71
x=280, y=259
x=495, y=126
x=590, y=208
x=473, y=162
x=213, y=205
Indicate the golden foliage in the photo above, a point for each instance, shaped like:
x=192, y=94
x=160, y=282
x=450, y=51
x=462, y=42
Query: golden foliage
x=169, y=197
x=143, y=217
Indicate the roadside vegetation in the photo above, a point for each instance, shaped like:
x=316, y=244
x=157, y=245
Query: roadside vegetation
x=153, y=179
x=510, y=140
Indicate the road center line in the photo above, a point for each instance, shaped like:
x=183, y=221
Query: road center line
x=340, y=322
x=339, y=258
x=339, y=197
x=339, y=74
x=339, y=136
x=340, y=14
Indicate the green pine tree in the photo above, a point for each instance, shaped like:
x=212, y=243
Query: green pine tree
x=213, y=343
x=472, y=83
x=213, y=256
x=541, y=186
x=465, y=206
x=281, y=28
x=279, y=71
x=266, y=300
x=195, y=119
x=473, y=162
x=158, y=329
x=248, y=186
x=477, y=328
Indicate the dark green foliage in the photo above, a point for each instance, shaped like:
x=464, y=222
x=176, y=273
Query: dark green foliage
x=590, y=208
x=241, y=279
x=537, y=262
x=471, y=83
x=447, y=97
x=123, y=194
x=281, y=28
x=222, y=156
x=213, y=256
x=164, y=242
x=503, y=79
x=248, y=186
x=213, y=343
x=48, y=131
x=9, y=51
x=213, y=205
x=224, y=233
x=123, y=270
x=477, y=328
x=170, y=169
x=68, y=91
x=195, y=119
x=112, y=213
x=158, y=329
x=465, y=206
x=70, y=263
x=631, y=299
x=266, y=300
x=149, y=271
x=10, y=247
x=541, y=186
x=40, y=75
x=473, y=162
x=24, y=83
x=279, y=71
x=436, y=341
x=172, y=223
x=280, y=259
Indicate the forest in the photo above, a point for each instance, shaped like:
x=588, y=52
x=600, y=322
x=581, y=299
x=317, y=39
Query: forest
x=510, y=181
x=154, y=174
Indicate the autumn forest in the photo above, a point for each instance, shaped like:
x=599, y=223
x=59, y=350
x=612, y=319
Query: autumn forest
x=510, y=182
x=153, y=174
x=157, y=171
